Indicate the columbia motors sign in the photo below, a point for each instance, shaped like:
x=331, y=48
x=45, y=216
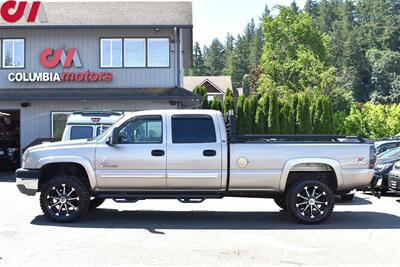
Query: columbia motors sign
x=14, y=11
x=52, y=58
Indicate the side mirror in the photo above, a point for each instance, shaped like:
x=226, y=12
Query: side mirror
x=113, y=139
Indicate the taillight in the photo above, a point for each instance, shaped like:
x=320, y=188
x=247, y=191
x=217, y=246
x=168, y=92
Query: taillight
x=372, y=157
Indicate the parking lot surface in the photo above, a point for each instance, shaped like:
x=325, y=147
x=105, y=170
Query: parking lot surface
x=228, y=232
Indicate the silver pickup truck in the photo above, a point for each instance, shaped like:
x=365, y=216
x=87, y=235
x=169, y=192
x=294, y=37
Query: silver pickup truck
x=193, y=155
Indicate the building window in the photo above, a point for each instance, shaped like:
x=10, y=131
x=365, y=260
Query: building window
x=58, y=123
x=158, y=52
x=111, y=53
x=13, y=53
x=134, y=53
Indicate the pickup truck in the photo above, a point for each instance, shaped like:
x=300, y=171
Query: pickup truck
x=193, y=155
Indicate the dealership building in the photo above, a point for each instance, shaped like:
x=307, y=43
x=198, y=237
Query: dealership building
x=123, y=56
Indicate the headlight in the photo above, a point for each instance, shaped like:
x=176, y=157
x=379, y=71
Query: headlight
x=383, y=167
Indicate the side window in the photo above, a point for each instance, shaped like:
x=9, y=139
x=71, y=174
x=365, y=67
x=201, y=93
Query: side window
x=81, y=132
x=141, y=131
x=192, y=130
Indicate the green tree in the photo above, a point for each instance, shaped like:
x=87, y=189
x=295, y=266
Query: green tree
x=248, y=118
x=229, y=53
x=295, y=53
x=273, y=114
x=261, y=120
x=214, y=58
x=216, y=104
x=229, y=101
x=354, y=124
x=240, y=115
x=198, y=68
x=201, y=90
x=303, y=115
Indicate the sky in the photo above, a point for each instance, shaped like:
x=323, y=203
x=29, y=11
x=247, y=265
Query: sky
x=215, y=18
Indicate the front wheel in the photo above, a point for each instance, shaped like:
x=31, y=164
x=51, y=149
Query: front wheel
x=64, y=199
x=310, y=201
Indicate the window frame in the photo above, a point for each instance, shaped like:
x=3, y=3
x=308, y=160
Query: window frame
x=148, y=51
x=146, y=117
x=200, y=116
x=2, y=54
x=145, y=53
x=52, y=113
x=102, y=66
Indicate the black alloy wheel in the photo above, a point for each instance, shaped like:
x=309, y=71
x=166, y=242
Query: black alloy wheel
x=64, y=199
x=310, y=201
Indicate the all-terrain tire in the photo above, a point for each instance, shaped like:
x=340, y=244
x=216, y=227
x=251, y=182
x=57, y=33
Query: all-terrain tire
x=310, y=201
x=64, y=199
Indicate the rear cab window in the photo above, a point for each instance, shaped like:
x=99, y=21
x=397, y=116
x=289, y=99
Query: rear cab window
x=193, y=129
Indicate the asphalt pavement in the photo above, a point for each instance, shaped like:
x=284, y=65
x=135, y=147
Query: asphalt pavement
x=228, y=232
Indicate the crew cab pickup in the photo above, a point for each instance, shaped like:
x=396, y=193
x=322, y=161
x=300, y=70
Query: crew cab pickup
x=193, y=155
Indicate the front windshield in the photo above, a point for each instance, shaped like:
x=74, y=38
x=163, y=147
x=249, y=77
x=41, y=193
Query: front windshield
x=395, y=152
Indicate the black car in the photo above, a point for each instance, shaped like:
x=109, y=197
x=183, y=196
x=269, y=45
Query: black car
x=9, y=156
x=384, y=165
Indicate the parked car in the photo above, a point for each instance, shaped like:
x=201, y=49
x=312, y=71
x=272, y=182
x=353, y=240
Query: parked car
x=193, y=155
x=89, y=124
x=394, y=177
x=9, y=156
x=386, y=145
x=384, y=165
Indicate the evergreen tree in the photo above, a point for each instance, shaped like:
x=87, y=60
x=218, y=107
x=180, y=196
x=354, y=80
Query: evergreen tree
x=293, y=110
x=303, y=117
x=261, y=120
x=216, y=104
x=318, y=116
x=229, y=52
x=254, y=105
x=198, y=68
x=273, y=114
x=248, y=118
x=229, y=101
x=214, y=58
x=240, y=115
x=201, y=90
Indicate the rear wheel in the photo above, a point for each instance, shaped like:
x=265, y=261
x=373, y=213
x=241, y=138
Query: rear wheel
x=64, y=199
x=310, y=201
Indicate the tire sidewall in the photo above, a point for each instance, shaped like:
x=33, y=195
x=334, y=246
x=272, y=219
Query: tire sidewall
x=81, y=190
x=291, y=200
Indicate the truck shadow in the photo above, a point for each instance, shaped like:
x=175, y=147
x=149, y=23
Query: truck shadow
x=357, y=201
x=156, y=221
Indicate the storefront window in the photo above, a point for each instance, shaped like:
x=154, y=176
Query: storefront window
x=13, y=53
x=58, y=122
x=111, y=53
x=158, y=52
x=134, y=53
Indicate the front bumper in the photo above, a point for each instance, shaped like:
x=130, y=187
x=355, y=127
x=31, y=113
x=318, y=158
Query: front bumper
x=394, y=182
x=27, y=181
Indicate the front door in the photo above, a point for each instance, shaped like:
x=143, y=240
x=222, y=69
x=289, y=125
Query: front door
x=138, y=161
x=194, y=153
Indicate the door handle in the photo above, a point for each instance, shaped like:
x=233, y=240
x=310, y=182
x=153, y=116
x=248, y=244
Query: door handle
x=209, y=153
x=158, y=153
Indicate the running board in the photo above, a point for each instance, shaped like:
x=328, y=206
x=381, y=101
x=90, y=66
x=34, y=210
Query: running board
x=184, y=197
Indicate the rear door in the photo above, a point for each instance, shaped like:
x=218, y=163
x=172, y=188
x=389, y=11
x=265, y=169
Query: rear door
x=194, y=153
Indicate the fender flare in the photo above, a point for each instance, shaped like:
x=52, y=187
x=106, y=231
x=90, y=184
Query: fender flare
x=84, y=162
x=334, y=164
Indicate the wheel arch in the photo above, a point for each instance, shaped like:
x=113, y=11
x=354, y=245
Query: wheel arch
x=69, y=161
x=311, y=165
